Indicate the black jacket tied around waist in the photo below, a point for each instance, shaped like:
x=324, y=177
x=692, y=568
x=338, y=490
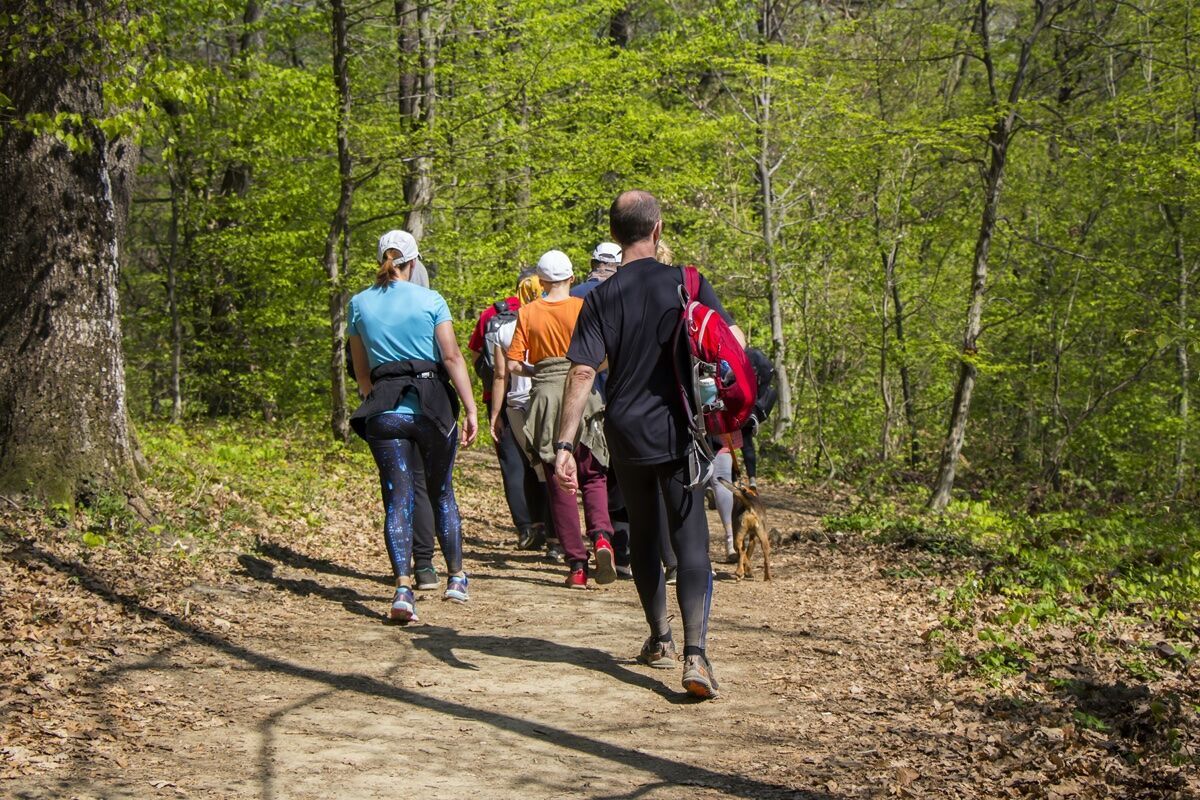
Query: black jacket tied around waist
x=392, y=380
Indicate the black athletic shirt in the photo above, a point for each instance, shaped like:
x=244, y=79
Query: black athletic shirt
x=631, y=318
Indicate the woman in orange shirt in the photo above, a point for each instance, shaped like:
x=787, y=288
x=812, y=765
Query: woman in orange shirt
x=539, y=349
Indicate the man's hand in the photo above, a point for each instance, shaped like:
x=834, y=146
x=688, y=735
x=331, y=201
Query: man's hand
x=565, y=471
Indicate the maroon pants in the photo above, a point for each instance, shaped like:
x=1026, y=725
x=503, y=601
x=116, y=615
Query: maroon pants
x=594, y=486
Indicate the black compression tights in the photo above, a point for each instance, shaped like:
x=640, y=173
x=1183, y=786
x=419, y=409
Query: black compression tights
x=648, y=489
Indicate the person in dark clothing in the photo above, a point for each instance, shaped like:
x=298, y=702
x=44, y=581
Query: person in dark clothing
x=764, y=371
x=606, y=257
x=630, y=321
x=519, y=479
x=605, y=260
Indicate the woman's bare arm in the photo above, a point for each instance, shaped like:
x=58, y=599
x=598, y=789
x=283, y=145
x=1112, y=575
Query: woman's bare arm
x=456, y=365
x=362, y=371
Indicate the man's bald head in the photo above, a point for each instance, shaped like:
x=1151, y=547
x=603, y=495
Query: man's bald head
x=632, y=216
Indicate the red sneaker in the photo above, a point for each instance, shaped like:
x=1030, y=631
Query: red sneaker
x=577, y=579
x=606, y=571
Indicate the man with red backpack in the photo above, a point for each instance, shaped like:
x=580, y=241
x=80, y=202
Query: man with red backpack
x=632, y=320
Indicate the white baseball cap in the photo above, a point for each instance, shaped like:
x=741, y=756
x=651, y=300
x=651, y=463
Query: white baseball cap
x=402, y=241
x=554, y=265
x=607, y=253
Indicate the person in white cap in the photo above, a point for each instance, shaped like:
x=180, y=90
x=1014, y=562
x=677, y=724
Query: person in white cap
x=413, y=377
x=605, y=260
x=539, y=349
x=402, y=242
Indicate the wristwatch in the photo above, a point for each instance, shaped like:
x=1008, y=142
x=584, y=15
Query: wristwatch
x=568, y=446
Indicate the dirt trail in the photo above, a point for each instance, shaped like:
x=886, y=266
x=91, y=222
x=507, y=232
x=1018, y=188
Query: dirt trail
x=298, y=690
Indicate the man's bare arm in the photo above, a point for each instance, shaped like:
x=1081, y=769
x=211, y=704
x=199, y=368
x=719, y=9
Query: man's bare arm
x=575, y=394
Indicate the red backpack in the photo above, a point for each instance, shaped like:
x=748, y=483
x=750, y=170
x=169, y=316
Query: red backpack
x=720, y=392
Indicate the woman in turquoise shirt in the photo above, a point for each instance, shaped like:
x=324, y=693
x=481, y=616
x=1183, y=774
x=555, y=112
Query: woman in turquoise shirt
x=413, y=375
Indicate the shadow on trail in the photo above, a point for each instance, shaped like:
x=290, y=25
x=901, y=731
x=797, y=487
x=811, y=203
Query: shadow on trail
x=352, y=601
x=286, y=555
x=441, y=642
x=667, y=769
x=512, y=559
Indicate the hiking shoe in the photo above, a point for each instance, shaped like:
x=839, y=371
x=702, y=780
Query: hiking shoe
x=624, y=570
x=531, y=537
x=404, y=606
x=456, y=589
x=555, y=553
x=731, y=556
x=605, y=559
x=427, y=578
x=672, y=575
x=698, y=677
x=577, y=579
x=660, y=655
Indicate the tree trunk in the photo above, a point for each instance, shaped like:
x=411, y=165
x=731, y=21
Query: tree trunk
x=778, y=340
x=906, y=387
x=64, y=428
x=998, y=142
x=769, y=32
x=173, y=306
x=620, y=27
x=1175, y=222
x=888, y=257
x=418, y=184
x=339, y=230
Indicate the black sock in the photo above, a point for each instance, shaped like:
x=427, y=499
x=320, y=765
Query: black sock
x=665, y=638
x=692, y=650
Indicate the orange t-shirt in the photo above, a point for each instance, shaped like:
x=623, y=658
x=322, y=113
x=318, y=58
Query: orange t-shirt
x=544, y=329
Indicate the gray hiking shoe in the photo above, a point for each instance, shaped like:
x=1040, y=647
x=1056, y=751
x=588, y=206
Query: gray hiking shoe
x=660, y=655
x=699, y=679
x=427, y=578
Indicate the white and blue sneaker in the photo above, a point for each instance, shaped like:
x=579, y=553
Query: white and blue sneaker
x=404, y=606
x=456, y=589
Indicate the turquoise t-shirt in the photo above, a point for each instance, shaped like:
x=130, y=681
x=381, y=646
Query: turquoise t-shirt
x=396, y=323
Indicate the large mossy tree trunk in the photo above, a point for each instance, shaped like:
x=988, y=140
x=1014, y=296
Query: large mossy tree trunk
x=64, y=430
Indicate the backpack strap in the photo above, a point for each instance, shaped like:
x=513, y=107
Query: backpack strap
x=501, y=306
x=690, y=284
x=700, y=456
x=676, y=341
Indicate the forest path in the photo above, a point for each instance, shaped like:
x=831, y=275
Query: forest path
x=296, y=688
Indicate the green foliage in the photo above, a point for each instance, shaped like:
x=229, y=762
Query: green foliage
x=233, y=481
x=873, y=126
x=1074, y=566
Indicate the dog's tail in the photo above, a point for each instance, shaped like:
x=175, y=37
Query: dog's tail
x=737, y=491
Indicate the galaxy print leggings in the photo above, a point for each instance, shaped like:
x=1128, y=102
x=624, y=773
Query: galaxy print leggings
x=392, y=439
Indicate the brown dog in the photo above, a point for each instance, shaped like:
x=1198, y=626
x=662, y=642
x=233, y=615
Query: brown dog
x=749, y=525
